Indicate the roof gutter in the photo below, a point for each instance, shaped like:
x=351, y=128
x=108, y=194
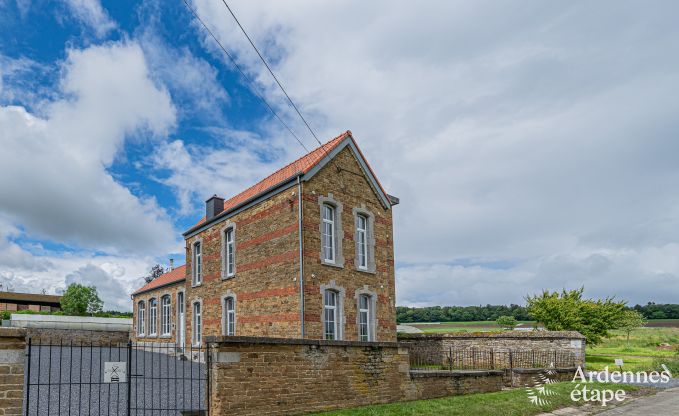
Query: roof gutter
x=232, y=211
x=158, y=287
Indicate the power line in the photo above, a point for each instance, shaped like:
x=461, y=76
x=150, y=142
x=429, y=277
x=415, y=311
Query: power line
x=247, y=78
x=274, y=75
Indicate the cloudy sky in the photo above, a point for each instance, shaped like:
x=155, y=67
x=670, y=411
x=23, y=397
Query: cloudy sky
x=533, y=144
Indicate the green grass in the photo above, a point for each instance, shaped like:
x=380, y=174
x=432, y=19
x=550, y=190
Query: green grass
x=504, y=403
x=472, y=326
x=642, y=352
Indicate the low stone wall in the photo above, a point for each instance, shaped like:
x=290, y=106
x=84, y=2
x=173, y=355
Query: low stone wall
x=433, y=384
x=440, y=345
x=270, y=376
x=266, y=376
x=12, y=358
x=77, y=337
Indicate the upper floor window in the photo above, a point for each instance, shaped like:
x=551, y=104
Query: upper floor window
x=364, y=222
x=364, y=318
x=197, y=268
x=328, y=233
x=141, y=318
x=229, y=316
x=229, y=252
x=331, y=315
x=197, y=324
x=153, y=316
x=362, y=241
x=165, y=327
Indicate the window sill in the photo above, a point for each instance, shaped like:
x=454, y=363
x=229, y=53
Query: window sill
x=335, y=265
x=197, y=284
x=368, y=271
x=166, y=336
x=229, y=277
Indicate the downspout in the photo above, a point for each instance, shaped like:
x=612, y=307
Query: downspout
x=301, y=254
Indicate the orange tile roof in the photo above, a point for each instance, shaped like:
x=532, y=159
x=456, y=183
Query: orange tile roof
x=302, y=165
x=176, y=275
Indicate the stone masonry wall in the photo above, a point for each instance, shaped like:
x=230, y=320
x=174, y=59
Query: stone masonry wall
x=266, y=281
x=77, y=337
x=340, y=180
x=283, y=376
x=273, y=376
x=12, y=358
x=521, y=343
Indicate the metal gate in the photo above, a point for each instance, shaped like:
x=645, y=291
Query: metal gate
x=115, y=379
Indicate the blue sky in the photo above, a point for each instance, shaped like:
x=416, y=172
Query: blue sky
x=532, y=144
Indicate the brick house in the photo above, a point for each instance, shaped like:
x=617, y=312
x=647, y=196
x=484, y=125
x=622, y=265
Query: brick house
x=243, y=274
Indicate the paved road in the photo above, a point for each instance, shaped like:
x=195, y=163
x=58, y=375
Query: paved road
x=69, y=381
x=665, y=403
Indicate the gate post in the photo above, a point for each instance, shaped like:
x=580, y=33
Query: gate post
x=129, y=378
x=12, y=358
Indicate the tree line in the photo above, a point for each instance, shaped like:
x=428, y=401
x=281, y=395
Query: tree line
x=406, y=314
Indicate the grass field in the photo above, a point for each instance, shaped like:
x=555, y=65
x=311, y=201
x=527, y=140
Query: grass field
x=645, y=351
x=475, y=326
x=504, y=403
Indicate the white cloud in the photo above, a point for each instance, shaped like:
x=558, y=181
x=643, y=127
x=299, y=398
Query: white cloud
x=93, y=15
x=512, y=134
x=53, y=168
x=110, y=290
x=197, y=172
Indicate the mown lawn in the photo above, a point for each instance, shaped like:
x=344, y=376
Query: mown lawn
x=505, y=403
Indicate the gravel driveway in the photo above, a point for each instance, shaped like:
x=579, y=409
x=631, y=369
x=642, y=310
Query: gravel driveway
x=69, y=381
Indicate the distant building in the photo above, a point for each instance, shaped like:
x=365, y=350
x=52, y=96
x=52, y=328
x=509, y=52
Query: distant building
x=11, y=301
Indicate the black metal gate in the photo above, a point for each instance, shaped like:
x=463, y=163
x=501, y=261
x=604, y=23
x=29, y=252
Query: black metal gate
x=115, y=379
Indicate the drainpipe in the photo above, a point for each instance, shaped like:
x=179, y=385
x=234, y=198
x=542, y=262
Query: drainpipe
x=301, y=254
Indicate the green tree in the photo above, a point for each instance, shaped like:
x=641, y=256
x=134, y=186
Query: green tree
x=568, y=311
x=630, y=321
x=80, y=300
x=506, y=322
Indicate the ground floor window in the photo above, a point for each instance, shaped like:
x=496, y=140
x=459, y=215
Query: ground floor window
x=197, y=323
x=330, y=315
x=165, y=315
x=141, y=316
x=365, y=332
x=229, y=316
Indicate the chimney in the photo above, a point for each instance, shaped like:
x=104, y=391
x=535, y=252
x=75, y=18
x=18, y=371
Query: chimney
x=213, y=206
x=171, y=264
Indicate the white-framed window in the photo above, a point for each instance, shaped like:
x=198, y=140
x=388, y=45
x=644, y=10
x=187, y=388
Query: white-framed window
x=197, y=264
x=330, y=315
x=153, y=316
x=165, y=313
x=364, y=318
x=362, y=241
x=328, y=233
x=229, y=253
x=141, y=318
x=229, y=315
x=197, y=324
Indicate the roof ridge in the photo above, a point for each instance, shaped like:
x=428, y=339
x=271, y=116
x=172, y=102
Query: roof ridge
x=342, y=135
